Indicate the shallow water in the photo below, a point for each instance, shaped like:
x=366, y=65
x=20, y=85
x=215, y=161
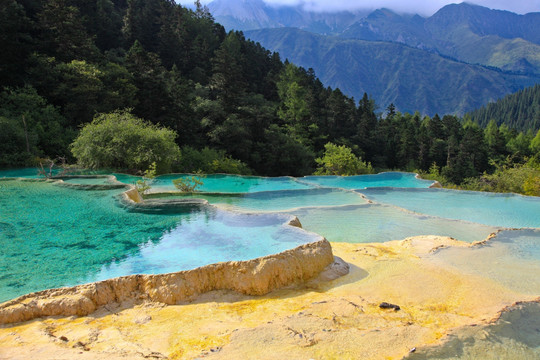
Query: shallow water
x=504, y=210
x=269, y=201
x=388, y=179
x=380, y=223
x=511, y=259
x=515, y=336
x=54, y=236
x=231, y=183
x=87, y=181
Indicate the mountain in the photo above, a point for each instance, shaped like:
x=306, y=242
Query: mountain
x=256, y=14
x=466, y=32
x=476, y=34
x=520, y=111
x=459, y=37
x=242, y=14
x=410, y=78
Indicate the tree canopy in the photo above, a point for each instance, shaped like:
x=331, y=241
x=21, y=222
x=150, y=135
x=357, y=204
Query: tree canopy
x=340, y=160
x=119, y=140
x=222, y=97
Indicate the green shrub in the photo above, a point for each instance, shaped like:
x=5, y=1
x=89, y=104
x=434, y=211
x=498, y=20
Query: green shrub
x=119, y=140
x=144, y=184
x=189, y=184
x=340, y=160
x=210, y=161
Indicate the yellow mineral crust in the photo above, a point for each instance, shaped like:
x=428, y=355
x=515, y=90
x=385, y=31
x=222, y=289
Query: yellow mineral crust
x=252, y=277
x=319, y=319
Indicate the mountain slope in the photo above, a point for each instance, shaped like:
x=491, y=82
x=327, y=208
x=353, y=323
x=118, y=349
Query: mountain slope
x=466, y=32
x=476, y=34
x=519, y=111
x=410, y=78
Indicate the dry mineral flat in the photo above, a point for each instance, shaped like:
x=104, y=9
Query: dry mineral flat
x=339, y=319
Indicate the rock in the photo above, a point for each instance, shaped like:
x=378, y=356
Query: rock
x=252, y=277
x=385, y=305
x=295, y=222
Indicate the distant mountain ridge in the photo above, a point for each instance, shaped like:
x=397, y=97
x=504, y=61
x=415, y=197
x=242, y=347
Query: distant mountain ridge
x=256, y=14
x=506, y=45
x=408, y=77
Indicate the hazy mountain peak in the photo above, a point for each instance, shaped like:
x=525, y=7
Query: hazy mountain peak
x=256, y=14
x=382, y=13
x=240, y=9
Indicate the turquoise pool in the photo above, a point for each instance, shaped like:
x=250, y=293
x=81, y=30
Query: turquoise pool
x=54, y=235
x=387, y=179
x=280, y=200
x=231, y=183
x=506, y=210
x=379, y=223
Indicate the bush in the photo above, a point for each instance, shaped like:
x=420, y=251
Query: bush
x=189, y=184
x=210, y=161
x=144, y=184
x=521, y=179
x=119, y=140
x=340, y=160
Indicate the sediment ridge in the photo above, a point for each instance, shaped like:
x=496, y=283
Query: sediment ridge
x=253, y=277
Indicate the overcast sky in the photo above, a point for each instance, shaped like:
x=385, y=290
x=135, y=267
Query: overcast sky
x=423, y=7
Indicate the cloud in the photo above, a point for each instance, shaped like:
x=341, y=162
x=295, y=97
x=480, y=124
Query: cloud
x=423, y=7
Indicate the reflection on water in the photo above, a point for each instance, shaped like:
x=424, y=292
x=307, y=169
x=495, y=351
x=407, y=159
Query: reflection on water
x=231, y=183
x=52, y=236
x=269, y=201
x=202, y=241
x=516, y=335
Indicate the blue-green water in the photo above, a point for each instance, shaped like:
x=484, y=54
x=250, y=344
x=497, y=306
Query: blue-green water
x=209, y=237
x=380, y=223
x=53, y=236
x=388, y=179
x=232, y=183
x=87, y=181
x=22, y=173
x=281, y=200
x=505, y=210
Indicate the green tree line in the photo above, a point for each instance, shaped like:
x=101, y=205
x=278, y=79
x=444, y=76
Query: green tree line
x=519, y=111
x=231, y=104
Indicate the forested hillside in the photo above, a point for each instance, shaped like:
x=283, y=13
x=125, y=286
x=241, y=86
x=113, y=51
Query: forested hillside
x=233, y=105
x=520, y=111
x=452, y=62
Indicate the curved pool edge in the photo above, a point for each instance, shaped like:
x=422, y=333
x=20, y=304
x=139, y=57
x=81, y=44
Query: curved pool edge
x=252, y=277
